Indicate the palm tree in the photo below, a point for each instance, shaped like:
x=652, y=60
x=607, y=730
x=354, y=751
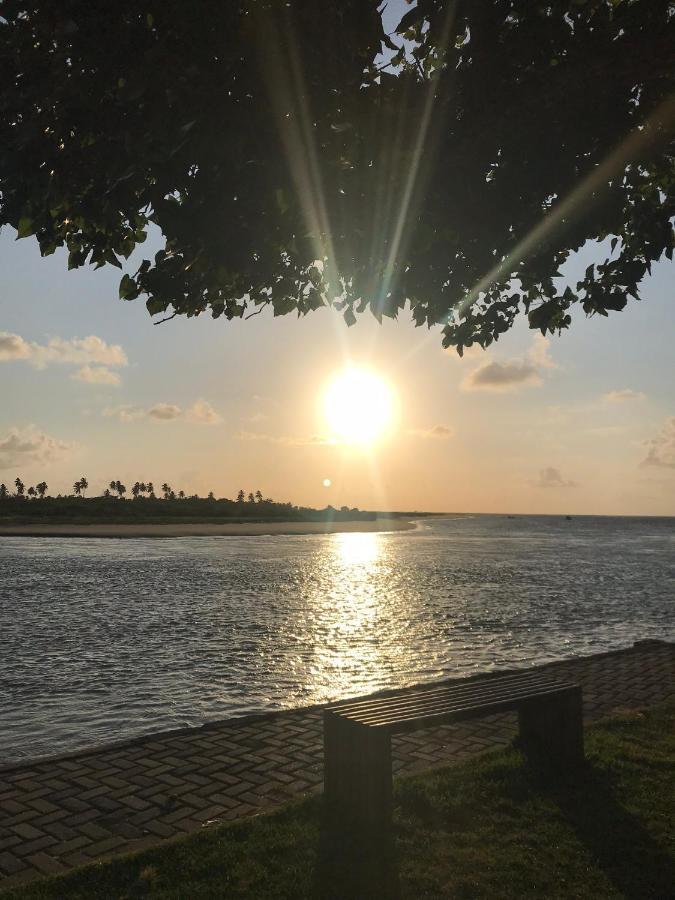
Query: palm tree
x=166, y=490
x=151, y=489
x=181, y=495
x=120, y=488
x=41, y=488
x=18, y=483
x=31, y=491
x=136, y=490
x=84, y=484
x=211, y=496
x=113, y=485
x=106, y=492
x=142, y=487
x=77, y=488
x=258, y=497
x=3, y=491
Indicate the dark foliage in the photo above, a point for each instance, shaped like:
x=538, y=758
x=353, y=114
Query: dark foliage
x=284, y=167
x=16, y=510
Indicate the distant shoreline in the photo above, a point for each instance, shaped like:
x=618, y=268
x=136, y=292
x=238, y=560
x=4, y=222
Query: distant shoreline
x=242, y=529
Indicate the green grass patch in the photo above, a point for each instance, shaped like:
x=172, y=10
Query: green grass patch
x=490, y=828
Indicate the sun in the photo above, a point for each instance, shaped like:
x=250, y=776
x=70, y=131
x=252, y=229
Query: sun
x=358, y=406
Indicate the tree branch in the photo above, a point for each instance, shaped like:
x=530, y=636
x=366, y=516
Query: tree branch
x=167, y=319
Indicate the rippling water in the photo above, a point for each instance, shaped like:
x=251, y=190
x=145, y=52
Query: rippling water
x=107, y=639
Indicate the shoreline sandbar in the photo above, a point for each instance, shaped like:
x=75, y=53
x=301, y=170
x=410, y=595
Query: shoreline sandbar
x=233, y=529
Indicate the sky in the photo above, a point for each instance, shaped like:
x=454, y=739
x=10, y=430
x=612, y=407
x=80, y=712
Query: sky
x=583, y=423
x=578, y=424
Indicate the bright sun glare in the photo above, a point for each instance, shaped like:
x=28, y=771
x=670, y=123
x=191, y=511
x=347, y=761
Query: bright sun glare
x=358, y=406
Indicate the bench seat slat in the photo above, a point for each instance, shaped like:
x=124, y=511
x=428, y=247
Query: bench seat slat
x=427, y=718
x=416, y=703
x=477, y=686
x=366, y=716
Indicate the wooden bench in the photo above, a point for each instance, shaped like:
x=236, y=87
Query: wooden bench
x=357, y=735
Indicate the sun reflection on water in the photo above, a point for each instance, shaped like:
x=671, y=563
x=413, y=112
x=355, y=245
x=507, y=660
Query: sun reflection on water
x=357, y=548
x=351, y=611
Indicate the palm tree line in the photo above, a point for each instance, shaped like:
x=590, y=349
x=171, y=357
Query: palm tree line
x=141, y=490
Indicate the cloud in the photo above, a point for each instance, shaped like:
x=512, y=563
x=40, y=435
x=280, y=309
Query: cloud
x=164, y=412
x=23, y=446
x=551, y=477
x=315, y=440
x=97, y=375
x=125, y=413
x=200, y=413
x=203, y=413
x=512, y=374
x=438, y=432
x=12, y=346
x=91, y=350
x=622, y=396
x=661, y=449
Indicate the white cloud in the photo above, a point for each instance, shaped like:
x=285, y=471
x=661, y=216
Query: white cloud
x=622, y=396
x=75, y=351
x=124, y=413
x=203, y=413
x=438, y=432
x=97, y=375
x=550, y=477
x=661, y=449
x=13, y=346
x=23, y=446
x=539, y=355
x=200, y=413
x=512, y=374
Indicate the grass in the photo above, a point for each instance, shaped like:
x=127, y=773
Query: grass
x=490, y=828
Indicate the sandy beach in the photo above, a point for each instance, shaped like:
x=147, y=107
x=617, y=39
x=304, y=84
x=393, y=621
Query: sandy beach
x=203, y=530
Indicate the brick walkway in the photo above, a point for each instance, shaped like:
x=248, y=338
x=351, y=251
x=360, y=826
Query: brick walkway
x=70, y=811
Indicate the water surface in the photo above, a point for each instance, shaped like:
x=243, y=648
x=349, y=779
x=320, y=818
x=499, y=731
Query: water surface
x=105, y=639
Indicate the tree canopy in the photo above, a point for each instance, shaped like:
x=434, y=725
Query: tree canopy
x=295, y=156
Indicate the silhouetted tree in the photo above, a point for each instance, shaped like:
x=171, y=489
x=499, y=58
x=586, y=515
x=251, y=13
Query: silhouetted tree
x=166, y=490
x=106, y=492
x=181, y=495
x=31, y=491
x=41, y=488
x=456, y=177
x=151, y=490
x=121, y=489
x=113, y=485
x=241, y=497
x=84, y=484
x=250, y=498
x=211, y=496
x=3, y=491
x=20, y=486
x=135, y=490
x=77, y=488
x=259, y=496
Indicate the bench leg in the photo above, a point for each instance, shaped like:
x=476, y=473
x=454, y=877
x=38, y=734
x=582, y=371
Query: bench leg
x=357, y=778
x=551, y=730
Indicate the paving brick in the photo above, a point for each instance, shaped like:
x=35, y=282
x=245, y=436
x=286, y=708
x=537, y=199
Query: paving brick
x=11, y=864
x=64, y=813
